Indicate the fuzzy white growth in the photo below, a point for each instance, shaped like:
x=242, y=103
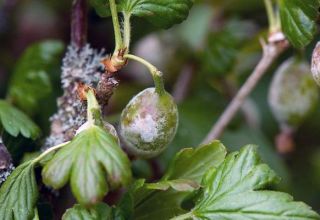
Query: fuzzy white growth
x=79, y=65
x=292, y=94
x=315, y=64
x=5, y=173
x=146, y=127
x=6, y=170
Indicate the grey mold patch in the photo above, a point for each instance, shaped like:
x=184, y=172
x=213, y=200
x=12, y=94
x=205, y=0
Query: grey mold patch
x=6, y=166
x=79, y=65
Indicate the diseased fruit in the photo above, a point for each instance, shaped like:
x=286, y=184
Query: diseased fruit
x=293, y=94
x=315, y=63
x=149, y=123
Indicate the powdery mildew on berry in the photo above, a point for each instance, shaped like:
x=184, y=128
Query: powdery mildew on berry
x=293, y=94
x=148, y=124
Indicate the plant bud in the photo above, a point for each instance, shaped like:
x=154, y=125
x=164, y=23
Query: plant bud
x=293, y=94
x=149, y=123
x=315, y=63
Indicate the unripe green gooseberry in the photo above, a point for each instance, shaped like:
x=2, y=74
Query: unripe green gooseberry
x=149, y=123
x=293, y=94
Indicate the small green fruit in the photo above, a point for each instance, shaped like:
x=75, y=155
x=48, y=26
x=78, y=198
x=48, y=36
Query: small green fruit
x=149, y=123
x=293, y=94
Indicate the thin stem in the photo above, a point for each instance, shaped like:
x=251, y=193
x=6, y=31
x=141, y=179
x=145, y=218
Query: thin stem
x=116, y=26
x=271, y=15
x=79, y=23
x=44, y=154
x=182, y=217
x=270, y=52
x=156, y=74
x=92, y=107
x=126, y=30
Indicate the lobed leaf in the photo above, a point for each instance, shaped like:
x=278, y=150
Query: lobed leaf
x=16, y=122
x=88, y=161
x=298, y=20
x=19, y=193
x=235, y=190
x=161, y=13
x=100, y=211
x=30, y=82
x=188, y=166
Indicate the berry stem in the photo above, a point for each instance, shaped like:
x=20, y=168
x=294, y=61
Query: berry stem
x=93, y=108
x=273, y=17
x=156, y=74
x=116, y=26
x=51, y=149
x=126, y=30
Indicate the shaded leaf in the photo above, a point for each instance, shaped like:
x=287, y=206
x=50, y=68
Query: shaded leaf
x=100, y=211
x=30, y=82
x=16, y=122
x=188, y=164
x=178, y=185
x=18, y=194
x=164, y=13
x=85, y=161
x=298, y=20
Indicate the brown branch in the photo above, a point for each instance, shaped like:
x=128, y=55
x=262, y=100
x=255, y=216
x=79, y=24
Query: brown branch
x=270, y=52
x=79, y=22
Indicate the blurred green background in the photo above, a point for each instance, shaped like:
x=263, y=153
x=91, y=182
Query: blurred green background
x=205, y=60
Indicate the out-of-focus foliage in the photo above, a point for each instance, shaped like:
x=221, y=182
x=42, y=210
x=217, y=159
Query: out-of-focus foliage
x=217, y=47
x=31, y=82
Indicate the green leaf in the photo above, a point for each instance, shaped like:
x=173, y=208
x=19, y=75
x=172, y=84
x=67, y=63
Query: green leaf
x=236, y=190
x=88, y=161
x=100, y=211
x=298, y=20
x=224, y=46
x=16, y=122
x=193, y=163
x=30, y=82
x=161, y=13
x=102, y=7
x=18, y=194
x=178, y=185
x=188, y=164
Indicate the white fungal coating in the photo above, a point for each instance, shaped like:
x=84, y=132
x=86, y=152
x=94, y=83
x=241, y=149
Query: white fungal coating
x=5, y=173
x=292, y=94
x=146, y=124
x=315, y=64
x=82, y=65
x=149, y=123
